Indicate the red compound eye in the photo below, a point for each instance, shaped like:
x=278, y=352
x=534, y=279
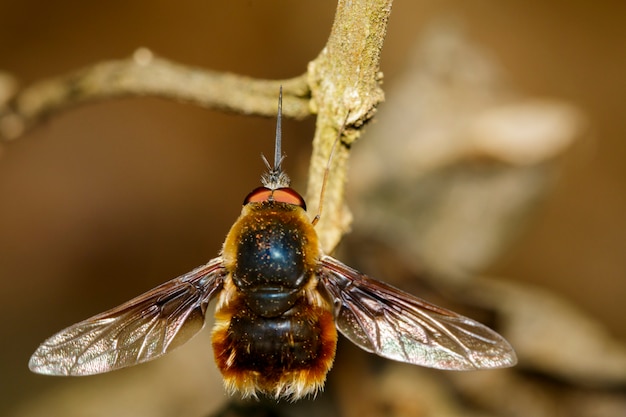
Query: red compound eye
x=290, y=196
x=281, y=195
x=258, y=195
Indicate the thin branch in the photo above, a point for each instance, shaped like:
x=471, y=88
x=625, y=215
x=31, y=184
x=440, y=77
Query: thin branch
x=147, y=75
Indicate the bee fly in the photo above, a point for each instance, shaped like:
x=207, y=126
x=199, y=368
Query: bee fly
x=280, y=301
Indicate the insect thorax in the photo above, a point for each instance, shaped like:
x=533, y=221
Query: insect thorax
x=271, y=252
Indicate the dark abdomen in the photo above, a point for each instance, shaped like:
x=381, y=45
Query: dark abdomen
x=288, y=353
x=288, y=342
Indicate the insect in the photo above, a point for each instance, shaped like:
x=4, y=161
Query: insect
x=280, y=302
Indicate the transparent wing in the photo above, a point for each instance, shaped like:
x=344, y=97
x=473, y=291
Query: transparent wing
x=396, y=325
x=135, y=332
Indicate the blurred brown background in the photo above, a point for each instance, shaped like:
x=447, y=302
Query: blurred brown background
x=108, y=200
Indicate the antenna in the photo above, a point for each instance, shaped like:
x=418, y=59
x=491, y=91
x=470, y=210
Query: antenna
x=278, y=158
x=275, y=178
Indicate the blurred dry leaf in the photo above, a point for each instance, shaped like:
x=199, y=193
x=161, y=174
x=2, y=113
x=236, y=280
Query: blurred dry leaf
x=448, y=178
x=457, y=157
x=554, y=337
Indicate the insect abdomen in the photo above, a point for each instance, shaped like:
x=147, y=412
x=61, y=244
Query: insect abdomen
x=285, y=342
x=288, y=355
